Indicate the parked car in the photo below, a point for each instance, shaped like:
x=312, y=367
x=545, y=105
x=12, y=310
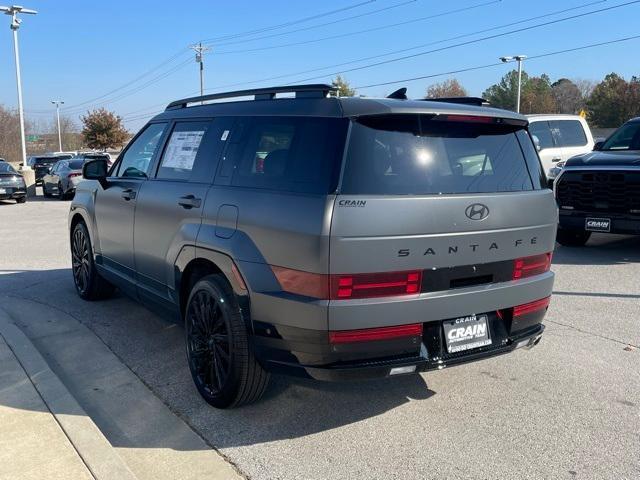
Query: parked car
x=558, y=138
x=600, y=191
x=42, y=163
x=12, y=185
x=333, y=238
x=94, y=156
x=62, y=178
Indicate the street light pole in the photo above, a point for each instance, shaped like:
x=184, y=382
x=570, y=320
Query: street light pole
x=15, y=25
x=200, y=51
x=520, y=59
x=57, y=104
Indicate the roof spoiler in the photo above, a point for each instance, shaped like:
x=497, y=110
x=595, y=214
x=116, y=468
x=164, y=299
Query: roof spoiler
x=476, y=101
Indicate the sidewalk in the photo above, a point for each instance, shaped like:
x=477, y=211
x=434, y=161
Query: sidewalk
x=32, y=444
x=82, y=414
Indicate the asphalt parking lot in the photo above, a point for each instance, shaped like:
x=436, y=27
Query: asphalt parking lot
x=569, y=408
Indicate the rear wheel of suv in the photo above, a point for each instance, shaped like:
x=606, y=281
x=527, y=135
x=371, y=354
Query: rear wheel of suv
x=222, y=364
x=89, y=284
x=21, y=199
x=572, y=238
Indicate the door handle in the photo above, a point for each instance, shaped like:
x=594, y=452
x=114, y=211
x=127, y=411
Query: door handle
x=189, y=201
x=556, y=160
x=128, y=194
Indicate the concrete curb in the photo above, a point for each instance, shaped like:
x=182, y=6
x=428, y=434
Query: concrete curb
x=95, y=450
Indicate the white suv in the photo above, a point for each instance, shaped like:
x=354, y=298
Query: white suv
x=558, y=138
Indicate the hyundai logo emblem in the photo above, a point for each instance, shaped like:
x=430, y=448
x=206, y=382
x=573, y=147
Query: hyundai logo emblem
x=477, y=211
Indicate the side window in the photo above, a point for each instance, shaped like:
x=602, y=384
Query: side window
x=543, y=133
x=291, y=154
x=137, y=159
x=570, y=133
x=182, y=149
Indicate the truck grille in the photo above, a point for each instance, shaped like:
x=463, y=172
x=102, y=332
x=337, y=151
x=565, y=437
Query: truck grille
x=606, y=191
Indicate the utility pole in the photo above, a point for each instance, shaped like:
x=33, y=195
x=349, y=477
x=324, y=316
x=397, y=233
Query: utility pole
x=520, y=59
x=200, y=51
x=15, y=25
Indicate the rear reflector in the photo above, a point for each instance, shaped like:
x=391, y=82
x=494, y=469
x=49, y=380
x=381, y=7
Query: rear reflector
x=367, y=285
x=529, y=266
x=531, y=307
x=373, y=334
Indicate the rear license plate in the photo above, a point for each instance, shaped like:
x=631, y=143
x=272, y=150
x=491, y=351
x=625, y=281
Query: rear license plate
x=3, y=190
x=465, y=333
x=597, y=224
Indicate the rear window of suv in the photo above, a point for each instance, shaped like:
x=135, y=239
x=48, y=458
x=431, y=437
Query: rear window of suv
x=422, y=155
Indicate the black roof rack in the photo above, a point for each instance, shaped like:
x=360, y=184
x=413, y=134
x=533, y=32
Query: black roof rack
x=319, y=90
x=477, y=101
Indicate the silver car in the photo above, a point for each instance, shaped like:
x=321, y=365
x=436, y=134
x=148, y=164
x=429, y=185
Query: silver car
x=332, y=238
x=62, y=178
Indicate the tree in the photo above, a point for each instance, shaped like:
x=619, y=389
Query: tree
x=448, y=88
x=103, y=129
x=568, y=96
x=10, y=148
x=614, y=101
x=536, y=94
x=344, y=89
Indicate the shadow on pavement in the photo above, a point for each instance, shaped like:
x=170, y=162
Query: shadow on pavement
x=602, y=249
x=44, y=304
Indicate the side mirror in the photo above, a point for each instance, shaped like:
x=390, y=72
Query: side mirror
x=536, y=142
x=96, y=170
x=598, y=146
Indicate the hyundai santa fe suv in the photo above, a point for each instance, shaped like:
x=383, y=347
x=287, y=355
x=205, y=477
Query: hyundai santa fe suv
x=332, y=238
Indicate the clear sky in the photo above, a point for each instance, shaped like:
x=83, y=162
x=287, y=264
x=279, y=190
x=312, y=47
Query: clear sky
x=101, y=53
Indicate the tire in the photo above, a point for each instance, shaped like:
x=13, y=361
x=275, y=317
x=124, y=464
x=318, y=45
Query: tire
x=61, y=195
x=572, y=238
x=45, y=192
x=89, y=284
x=21, y=200
x=220, y=359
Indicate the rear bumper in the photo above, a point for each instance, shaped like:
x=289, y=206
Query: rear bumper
x=620, y=223
x=307, y=353
x=13, y=193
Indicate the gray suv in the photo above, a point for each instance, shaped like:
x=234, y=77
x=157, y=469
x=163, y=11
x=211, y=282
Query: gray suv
x=332, y=238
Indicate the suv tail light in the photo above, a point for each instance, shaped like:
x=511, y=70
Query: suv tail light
x=71, y=175
x=347, y=286
x=531, y=307
x=529, y=266
x=367, y=285
x=373, y=334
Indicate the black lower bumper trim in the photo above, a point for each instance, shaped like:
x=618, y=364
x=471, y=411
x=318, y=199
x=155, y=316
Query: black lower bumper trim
x=383, y=368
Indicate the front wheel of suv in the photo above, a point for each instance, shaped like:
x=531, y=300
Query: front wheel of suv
x=222, y=364
x=572, y=238
x=89, y=284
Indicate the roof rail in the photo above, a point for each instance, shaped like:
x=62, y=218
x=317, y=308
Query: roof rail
x=477, y=101
x=318, y=90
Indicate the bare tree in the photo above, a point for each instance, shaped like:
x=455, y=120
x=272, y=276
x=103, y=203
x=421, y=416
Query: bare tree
x=586, y=87
x=447, y=89
x=10, y=148
x=568, y=97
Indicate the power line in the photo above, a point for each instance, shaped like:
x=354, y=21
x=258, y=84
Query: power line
x=469, y=42
x=367, y=30
x=496, y=64
x=290, y=23
x=320, y=25
x=351, y=62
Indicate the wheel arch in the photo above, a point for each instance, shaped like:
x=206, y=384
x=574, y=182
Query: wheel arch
x=196, y=263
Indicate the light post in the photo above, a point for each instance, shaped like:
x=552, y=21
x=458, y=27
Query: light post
x=57, y=103
x=520, y=59
x=13, y=11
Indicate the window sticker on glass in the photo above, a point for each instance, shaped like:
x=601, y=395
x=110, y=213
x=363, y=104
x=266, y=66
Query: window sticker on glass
x=224, y=136
x=182, y=149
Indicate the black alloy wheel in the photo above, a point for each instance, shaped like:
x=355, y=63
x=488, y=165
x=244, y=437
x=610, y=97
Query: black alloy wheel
x=222, y=364
x=89, y=284
x=208, y=346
